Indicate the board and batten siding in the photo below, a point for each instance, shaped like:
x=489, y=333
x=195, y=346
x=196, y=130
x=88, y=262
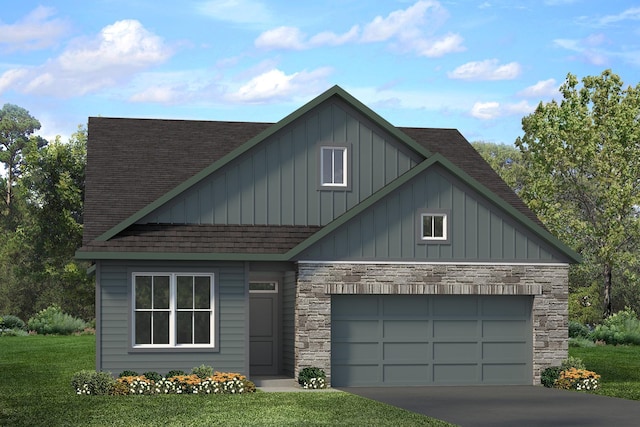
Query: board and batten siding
x=288, y=322
x=277, y=181
x=389, y=230
x=114, y=348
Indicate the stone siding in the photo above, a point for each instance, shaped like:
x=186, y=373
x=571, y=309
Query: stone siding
x=318, y=281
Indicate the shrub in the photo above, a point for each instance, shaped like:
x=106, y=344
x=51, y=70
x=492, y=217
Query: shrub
x=11, y=322
x=578, y=330
x=153, y=376
x=549, y=376
x=572, y=362
x=622, y=327
x=202, y=371
x=581, y=342
x=175, y=373
x=92, y=382
x=137, y=384
x=127, y=373
x=312, y=377
x=52, y=320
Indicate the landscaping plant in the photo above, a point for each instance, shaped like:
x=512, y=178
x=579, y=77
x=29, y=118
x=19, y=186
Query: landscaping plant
x=52, y=320
x=312, y=378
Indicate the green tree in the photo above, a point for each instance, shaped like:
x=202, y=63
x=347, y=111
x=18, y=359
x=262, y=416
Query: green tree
x=582, y=157
x=16, y=126
x=506, y=160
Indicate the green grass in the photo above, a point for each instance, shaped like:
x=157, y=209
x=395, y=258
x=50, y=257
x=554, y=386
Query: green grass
x=35, y=390
x=618, y=366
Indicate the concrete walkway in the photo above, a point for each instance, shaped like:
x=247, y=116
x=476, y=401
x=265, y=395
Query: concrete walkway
x=283, y=384
x=497, y=406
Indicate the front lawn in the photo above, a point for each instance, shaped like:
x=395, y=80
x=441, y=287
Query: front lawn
x=35, y=390
x=619, y=367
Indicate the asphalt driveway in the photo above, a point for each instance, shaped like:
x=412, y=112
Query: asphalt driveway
x=507, y=405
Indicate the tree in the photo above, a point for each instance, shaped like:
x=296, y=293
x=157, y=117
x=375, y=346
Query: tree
x=506, y=160
x=582, y=157
x=16, y=125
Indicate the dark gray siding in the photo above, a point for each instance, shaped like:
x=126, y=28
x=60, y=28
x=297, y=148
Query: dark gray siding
x=479, y=231
x=276, y=182
x=115, y=316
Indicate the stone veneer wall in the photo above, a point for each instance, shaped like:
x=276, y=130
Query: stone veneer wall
x=318, y=281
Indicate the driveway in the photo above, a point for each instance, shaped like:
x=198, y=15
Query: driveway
x=507, y=405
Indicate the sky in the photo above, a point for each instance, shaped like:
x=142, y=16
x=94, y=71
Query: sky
x=478, y=66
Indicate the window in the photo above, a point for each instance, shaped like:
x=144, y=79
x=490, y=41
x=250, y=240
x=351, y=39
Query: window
x=263, y=287
x=173, y=310
x=333, y=166
x=434, y=226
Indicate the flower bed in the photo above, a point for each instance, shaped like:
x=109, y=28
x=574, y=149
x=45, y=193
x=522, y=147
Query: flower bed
x=577, y=379
x=218, y=383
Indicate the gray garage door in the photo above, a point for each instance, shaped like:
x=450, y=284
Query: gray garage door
x=426, y=340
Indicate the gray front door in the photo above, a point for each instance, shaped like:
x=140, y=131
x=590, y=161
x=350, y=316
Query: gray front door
x=264, y=336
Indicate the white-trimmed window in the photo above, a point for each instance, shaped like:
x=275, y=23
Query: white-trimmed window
x=433, y=226
x=173, y=310
x=333, y=166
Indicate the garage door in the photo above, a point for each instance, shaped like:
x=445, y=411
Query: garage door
x=393, y=340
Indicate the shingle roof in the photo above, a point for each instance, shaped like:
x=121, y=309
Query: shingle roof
x=124, y=153
x=171, y=238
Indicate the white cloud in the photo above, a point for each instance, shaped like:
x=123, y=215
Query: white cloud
x=437, y=48
x=485, y=110
x=589, y=49
x=276, y=85
x=237, y=11
x=290, y=38
x=493, y=110
x=35, y=31
x=11, y=78
x=118, y=52
x=488, y=69
x=329, y=38
x=403, y=29
x=404, y=24
x=632, y=14
x=542, y=89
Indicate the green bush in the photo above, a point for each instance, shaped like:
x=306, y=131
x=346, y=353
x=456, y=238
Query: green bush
x=175, y=373
x=52, y=320
x=127, y=373
x=578, y=330
x=202, y=371
x=549, y=376
x=312, y=377
x=92, y=382
x=581, y=342
x=572, y=362
x=153, y=376
x=622, y=327
x=11, y=322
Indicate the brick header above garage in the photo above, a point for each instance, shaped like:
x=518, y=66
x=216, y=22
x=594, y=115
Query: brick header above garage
x=546, y=283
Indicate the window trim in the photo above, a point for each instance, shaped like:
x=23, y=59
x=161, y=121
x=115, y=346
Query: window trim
x=173, y=310
x=346, y=161
x=446, y=214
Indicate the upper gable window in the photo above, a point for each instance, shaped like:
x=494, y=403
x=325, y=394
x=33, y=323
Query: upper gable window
x=433, y=226
x=333, y=167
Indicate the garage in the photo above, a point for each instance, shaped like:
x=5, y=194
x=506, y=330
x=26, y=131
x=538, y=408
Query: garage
x=398, y=340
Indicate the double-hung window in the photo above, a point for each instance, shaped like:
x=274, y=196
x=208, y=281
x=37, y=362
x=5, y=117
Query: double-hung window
x=173, y=310
x=333, y=166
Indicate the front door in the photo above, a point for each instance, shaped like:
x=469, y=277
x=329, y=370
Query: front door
x=263, y=327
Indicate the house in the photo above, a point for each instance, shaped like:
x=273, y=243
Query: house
x=384, y=255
